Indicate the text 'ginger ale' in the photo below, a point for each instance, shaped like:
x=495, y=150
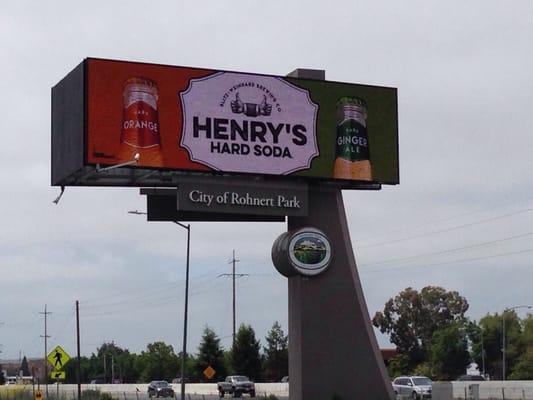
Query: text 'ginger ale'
x=352, y=159
x=140, y=126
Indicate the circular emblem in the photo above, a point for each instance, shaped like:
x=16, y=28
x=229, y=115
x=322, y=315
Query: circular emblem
x=309, y=251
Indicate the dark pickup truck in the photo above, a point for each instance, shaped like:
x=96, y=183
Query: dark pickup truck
x=236, y=385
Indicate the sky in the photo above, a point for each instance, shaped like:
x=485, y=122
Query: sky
x=461, y=217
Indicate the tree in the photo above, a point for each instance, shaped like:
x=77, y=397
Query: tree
x=398, y=365
x=158, y=362
x=523, y=369
x=24, y=367
x=449, y=354
x=245, y=358
x=210, y=353
x=2, y=377
x=71, y=370
x=110, y=362
x=276, y=361
x=489, y=336
x=412, y=317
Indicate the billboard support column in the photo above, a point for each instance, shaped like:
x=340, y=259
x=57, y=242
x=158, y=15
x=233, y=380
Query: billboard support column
x=332, y=346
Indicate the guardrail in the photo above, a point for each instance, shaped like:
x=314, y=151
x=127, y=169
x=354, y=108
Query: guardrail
x=139, y=391
x=490, y=390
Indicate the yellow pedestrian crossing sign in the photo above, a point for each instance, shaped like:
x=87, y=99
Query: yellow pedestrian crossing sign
x=58, y=358
x=58, y=375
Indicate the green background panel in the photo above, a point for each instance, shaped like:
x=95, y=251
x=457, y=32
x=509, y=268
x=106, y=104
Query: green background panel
x=382, y=126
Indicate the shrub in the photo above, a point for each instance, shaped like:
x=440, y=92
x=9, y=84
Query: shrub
x=106, y=396
x=90, y=394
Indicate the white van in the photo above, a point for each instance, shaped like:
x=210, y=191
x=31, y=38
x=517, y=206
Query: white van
x=11, y=380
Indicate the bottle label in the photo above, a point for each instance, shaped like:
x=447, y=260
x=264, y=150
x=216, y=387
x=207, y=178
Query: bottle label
x=352, y=141
x=140, y=128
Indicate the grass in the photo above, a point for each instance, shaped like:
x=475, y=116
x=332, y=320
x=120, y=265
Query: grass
x=26, y=393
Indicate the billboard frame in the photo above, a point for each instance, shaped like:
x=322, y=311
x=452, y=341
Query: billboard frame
x=70, y=166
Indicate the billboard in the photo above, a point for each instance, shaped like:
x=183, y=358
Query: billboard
x=187, y=120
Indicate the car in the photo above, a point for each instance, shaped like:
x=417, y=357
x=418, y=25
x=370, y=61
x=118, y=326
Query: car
x=97, y=381
x=478, y=378
x=236, y=385
x=160, y=389
x=285, y=379
x=414, y=387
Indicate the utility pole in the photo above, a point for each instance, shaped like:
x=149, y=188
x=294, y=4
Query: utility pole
x=233, y=275
x=45, y=336
x=1, y=323
x=233, y=260
x=78, y=348
x=482, y=354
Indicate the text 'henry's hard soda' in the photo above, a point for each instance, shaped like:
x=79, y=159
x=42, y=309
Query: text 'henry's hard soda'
x=352, y=160
x=140, y=126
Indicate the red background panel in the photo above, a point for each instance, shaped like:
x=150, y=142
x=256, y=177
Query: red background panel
x=105, y=85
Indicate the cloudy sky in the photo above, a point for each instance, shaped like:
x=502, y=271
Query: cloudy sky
x=461, y=218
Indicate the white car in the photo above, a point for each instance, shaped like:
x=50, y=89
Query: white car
x=414, y=387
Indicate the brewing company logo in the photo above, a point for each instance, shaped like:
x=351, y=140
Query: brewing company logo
x=242, y=123
x=310, y=251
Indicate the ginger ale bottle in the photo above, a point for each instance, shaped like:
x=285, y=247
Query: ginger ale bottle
x=352, y=159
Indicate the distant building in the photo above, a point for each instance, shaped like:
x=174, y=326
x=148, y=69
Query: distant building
x=387, y=354
x=35, y=365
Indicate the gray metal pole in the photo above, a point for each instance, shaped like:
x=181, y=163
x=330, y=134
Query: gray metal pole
x=503, y=344
x=184, y=349
x=234, y=317
x=45, y=351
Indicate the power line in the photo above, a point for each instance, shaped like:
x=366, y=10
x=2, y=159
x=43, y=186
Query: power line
x=393, y=260
x=452, y=262
x=483, y=221
x=415, y=227
x=128, y=298
x=63, y=325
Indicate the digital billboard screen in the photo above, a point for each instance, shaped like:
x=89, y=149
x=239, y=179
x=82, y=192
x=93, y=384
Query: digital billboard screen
x=210, y=121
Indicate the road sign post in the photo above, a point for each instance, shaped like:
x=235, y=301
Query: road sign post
x=58, y=358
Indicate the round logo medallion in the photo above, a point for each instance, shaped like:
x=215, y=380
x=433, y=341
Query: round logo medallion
x=309, y=251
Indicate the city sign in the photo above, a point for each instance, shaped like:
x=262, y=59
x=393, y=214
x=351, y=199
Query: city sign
x=160, y=122
x=240, y=196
